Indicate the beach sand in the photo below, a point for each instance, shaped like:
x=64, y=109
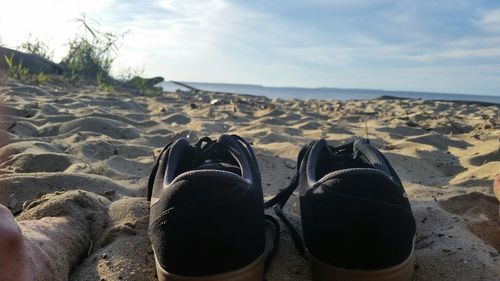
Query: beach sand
x=66, y=137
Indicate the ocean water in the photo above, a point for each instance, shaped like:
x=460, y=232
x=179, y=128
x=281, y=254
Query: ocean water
x=326, y=93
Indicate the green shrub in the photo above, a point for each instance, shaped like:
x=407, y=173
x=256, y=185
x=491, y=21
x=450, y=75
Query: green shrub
x=90, y=55
x=89, y=59
x=144, y=86
x=40, y=78
x=36, y=47
x=17, y=71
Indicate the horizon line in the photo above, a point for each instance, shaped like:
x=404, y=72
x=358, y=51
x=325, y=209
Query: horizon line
x=341, y=88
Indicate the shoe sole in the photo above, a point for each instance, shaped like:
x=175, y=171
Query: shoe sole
x=324, y=272
x=251, y=272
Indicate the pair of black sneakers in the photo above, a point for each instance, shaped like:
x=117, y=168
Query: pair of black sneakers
x=207, y=219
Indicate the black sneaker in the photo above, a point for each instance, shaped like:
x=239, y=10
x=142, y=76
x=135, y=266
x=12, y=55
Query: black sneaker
x=207, y=215
x=356, y=218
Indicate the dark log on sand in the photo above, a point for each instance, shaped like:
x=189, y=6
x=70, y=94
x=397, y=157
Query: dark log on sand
x=34, y=63
x=186, y=86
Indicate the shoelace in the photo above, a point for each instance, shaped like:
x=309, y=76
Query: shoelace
x=206, y=149
x=280, y=199
x=199, y=151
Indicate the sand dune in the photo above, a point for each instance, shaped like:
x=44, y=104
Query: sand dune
x=66, y=138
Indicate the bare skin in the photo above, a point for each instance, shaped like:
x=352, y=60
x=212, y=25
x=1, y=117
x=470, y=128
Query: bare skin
x=17, y=260
x=49, y=247
x=496, y=186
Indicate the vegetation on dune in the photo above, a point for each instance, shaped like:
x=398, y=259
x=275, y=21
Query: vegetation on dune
x=89, y=59
x=91, y=54
x=18, y=71
x=36, y=47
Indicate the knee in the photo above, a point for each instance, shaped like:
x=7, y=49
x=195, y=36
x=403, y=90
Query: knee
x=10, y=234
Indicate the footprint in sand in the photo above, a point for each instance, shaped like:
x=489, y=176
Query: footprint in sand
x=481, y=213
x=29, y=185
x=101, y=149
x=41, y=162
x=439, y=141
x=176, y=118
x=96, y=125
x=477, y=176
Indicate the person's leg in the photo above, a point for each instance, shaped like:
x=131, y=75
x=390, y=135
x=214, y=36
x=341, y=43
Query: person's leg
x=16, y=259
x=52, y=236
x=496, y=186
x=496, y=189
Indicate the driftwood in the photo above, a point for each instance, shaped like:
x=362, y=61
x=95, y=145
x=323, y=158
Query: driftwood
x=186, y=86
x=34, y=63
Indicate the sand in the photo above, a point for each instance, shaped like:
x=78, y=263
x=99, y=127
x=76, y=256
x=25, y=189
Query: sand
x=66, y=137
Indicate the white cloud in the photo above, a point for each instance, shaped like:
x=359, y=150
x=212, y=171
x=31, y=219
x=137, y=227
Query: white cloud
x=456, y=54
x=490, y=21
x=196, y=39
x=380, y=44
x=51, y=21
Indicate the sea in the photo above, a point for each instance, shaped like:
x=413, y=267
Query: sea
x=326, y=93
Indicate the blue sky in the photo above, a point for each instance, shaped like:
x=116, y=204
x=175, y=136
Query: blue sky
x=440, y=45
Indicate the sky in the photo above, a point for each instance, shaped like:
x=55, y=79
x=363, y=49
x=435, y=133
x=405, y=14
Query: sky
x=428, y=45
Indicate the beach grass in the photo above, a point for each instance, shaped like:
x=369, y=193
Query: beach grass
x=91, y=53
x=89, y=60
x=16, y=71
x=35, y=46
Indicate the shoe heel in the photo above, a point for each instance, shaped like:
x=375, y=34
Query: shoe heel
x=251, y=272
x=324, y=272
